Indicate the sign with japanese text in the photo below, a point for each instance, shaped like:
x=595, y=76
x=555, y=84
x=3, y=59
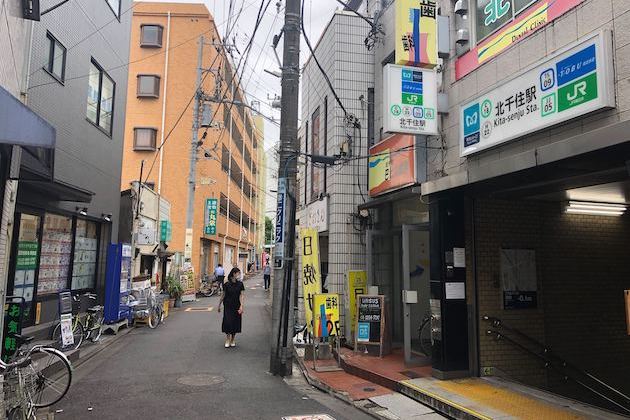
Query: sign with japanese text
x=392, y=164
x=416, y=33
x=535, y=17
x=67, y=338
x=410, y=100
x=357, y=285
x=326, y=315
x=571, y=83
x=311, y=274
x=370, y=312
x=211, y=216
x=25, y=267
x=166, y=230
x=13, y=315
x=278, y=249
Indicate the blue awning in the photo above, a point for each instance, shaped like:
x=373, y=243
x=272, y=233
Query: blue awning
x=19, y=125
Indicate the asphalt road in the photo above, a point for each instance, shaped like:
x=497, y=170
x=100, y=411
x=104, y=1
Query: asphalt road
x=182, y=371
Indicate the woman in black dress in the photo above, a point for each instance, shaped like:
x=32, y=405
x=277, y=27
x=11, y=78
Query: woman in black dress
x=232, y=299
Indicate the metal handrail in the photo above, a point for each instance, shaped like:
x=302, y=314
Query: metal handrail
x=548, y=357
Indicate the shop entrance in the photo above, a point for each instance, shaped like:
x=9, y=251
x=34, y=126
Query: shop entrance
x=398, y=264
x=416, y=291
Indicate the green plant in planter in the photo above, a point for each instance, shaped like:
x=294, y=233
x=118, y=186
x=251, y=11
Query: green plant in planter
x=175, y=289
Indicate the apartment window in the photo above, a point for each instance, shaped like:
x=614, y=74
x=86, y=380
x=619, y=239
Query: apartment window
x=100, y=100
x=148, y=86
x=151, y=36
x=144, y=138
x=56, y=58
x=490, y=15
x=115, y=6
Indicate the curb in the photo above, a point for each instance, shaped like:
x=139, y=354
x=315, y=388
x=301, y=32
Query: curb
x=327, y=389
x=89, y=353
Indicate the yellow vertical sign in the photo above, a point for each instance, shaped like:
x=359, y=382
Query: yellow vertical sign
x=311, y=276
x=416, y=33
x=326, y=315
x=357, y=285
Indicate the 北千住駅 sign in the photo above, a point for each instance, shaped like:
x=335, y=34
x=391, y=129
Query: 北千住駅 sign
x=410, y=100
x=535, y=17
x=571, y=83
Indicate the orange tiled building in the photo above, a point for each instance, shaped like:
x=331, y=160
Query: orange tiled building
x=162, y=75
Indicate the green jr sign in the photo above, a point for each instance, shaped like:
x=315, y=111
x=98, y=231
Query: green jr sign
x=578, y=92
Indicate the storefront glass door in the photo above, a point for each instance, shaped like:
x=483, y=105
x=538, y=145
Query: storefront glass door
x=385, y=271
x=415, y=242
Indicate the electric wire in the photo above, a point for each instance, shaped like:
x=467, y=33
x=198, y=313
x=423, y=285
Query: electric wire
x=162, y=51
x=328, y=82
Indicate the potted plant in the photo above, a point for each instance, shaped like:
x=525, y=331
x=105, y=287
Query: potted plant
x=175, y=291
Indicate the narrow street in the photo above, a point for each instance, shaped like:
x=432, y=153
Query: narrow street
x=181, y=370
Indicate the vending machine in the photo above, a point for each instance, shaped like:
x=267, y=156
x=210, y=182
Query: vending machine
x=117, y=283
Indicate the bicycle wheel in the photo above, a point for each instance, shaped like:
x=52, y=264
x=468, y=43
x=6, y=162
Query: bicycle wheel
x=48, y=377
x=97, y=329
x=77, y=333
x=154, y=318
x=425, y=337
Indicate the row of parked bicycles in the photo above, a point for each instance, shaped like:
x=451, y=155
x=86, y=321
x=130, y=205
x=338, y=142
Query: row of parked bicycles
x=40, y=376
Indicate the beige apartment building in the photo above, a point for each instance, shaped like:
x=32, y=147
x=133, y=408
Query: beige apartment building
x=164, y=51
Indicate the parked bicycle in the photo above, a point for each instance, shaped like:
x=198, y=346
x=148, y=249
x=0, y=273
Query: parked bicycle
x=34, y=378
x=147, y=306
x=88, y=326
x=209, y=286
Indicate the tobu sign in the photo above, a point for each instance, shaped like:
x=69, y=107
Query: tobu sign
x=573, y=82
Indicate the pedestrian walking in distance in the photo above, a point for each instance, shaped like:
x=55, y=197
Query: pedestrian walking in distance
x=267, y=275
x=219, y=275
x=232, y=299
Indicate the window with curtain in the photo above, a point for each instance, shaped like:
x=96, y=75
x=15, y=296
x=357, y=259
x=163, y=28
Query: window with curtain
x=151, y=36
x=148, y=86
x=144, y=138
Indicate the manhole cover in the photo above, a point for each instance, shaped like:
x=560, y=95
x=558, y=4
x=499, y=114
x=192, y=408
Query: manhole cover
x=200, y=379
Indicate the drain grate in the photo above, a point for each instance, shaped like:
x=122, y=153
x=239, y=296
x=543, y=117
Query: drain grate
x=369, y=389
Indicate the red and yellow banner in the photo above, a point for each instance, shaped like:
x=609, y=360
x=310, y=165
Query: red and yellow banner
x=416, y=33
x=536, y=17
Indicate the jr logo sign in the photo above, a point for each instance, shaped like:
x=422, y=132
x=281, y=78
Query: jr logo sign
x=578, y=92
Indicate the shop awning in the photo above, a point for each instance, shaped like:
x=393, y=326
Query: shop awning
x=20, y=126
x=58, y=190
x=393, y=196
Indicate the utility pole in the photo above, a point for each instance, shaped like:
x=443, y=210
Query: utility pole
x=281, y=362
x=192, y=175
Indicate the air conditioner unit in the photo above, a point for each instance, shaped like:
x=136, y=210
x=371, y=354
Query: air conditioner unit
x=461, y=7
x=462, y=36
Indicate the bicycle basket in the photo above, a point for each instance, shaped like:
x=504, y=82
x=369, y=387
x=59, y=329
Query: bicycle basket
x=14, y=396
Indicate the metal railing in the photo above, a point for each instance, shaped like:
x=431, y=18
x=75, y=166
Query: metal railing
x=554, y=362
